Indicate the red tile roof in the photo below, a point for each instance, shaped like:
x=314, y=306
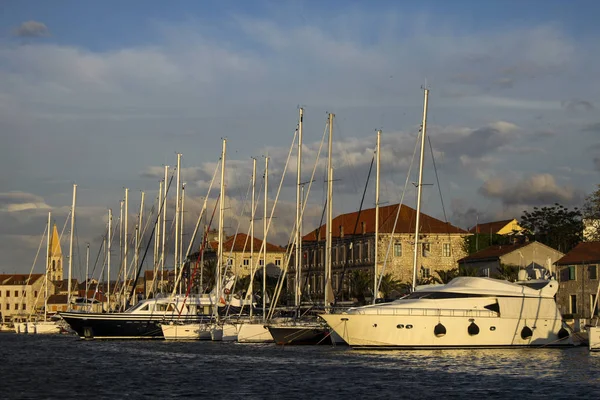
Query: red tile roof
x=242, y=243
x=488, y=227
x=583, y=253
x=387, y=216
x=19, y=279
x=493, y=252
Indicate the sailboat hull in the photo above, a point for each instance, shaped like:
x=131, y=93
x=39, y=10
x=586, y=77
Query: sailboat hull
x=300, y=335
x=254, y=332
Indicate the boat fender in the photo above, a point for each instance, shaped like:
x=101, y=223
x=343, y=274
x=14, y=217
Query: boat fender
x=563, y=333
x=473, y=329
x=439, y=330
x=526, y=333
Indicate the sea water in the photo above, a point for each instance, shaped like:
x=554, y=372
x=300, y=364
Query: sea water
x=65, y=367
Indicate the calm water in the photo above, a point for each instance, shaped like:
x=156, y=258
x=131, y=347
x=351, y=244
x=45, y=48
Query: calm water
x=65, y=367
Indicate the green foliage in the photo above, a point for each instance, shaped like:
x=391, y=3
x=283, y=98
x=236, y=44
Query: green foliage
x=360, y=285
x=507, y=272
x=465, y=270
x=445, y=276
x=479, y=241
x=391, y=287
x=591, y=213
x=555, y=226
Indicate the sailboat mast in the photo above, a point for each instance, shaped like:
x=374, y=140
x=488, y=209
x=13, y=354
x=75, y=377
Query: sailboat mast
x=157, y=229
x=252, y=210
x=47, y=267
x=264, y=288
x=298, y=212
x=71, y=245
x=181, y=260
x=139, y=231
x=177, y=211
x=126, y=244
x=164, y=226
x=378, y=162
x=221, y=222
x=420, y=188
x=328, y=286
x=108, y=260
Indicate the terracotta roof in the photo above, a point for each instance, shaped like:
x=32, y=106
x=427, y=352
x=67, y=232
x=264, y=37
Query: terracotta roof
x=492, y=227
x=387, y=216
x=19, y=279
x=583, y=253
x=242, y=243
x=493, y=252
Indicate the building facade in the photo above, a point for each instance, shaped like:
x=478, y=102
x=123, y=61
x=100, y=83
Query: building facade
x=440, y=245
x=22, y=295
x=578, y=281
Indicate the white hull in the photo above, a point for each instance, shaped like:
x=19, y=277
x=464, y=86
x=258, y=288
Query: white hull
x=254, y=332
x=21, y=327
x=194, y=331
x=230, y=332
x=467, y=312
x=594, y=338
x=418, y=332
x=44, y=328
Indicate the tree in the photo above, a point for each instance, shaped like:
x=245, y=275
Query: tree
x=445, y=276
x=591, y=215
x=555, y=226
x=479, y=241
x=360, y=285
x=507, y=272
x=391, y=287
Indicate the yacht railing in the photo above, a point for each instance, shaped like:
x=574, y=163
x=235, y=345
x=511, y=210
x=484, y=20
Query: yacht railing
x=433, y=312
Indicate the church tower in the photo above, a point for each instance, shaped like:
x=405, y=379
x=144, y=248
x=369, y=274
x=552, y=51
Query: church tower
x=55, y=261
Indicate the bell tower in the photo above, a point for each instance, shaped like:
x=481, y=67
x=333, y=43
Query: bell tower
x=55, y=260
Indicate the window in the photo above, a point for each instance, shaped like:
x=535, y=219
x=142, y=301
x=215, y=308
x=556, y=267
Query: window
x=0, y=306
x=397, y=249
x=592, y=271
x=446, y=250
x=573, y=304
x=35, y=294
x=24, y=294
x=426, y=249
x=8, y=293
x=425, y=272
x=246, y=262
x=278, y=262
x=572, y=275
x=321, y=285
x=24, y=306
x=8, y=306
x=16, y=293
x=261, y=262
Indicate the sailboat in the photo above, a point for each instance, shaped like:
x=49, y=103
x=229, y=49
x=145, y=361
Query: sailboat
x=308, y=329
x=467, y=312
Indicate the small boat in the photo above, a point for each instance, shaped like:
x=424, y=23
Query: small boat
x=186, y=331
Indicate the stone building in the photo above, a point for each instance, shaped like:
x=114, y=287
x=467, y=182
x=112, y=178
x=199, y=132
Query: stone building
x=22, y=295
x=578, y=280
x=532, y=256
x=353, y=249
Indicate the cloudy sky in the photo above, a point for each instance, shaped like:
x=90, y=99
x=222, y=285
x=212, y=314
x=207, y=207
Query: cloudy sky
x=104, y=94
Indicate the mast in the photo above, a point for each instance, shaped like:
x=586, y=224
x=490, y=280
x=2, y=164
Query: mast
x=328, y=288
x=378, y=165
x=138, y=237
x=181, y=260
x=264, y=288
x=252, y=210
x=157, y=230
x=177, y=211
x=298, y=212
x=47, y=268
x=126, y=243
x=221, y=221
x=164, y=226
x=108, y=260
x=71, y=245
x=420, y=188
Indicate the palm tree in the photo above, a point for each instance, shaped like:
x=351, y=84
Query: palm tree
x=391, y=287
x=445, y=276
x=360, y=285
x=508, y=272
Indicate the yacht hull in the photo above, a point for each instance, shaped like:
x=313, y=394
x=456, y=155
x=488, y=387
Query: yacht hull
x=195, y=331
x=300, y=335
x=119, y=325
x=419, y=332
x=594, y=338
x=254, y=332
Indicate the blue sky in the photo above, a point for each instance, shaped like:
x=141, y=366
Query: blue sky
x=105, y=93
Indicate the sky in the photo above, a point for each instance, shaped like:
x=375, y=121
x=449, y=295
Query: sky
x=104, y=94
